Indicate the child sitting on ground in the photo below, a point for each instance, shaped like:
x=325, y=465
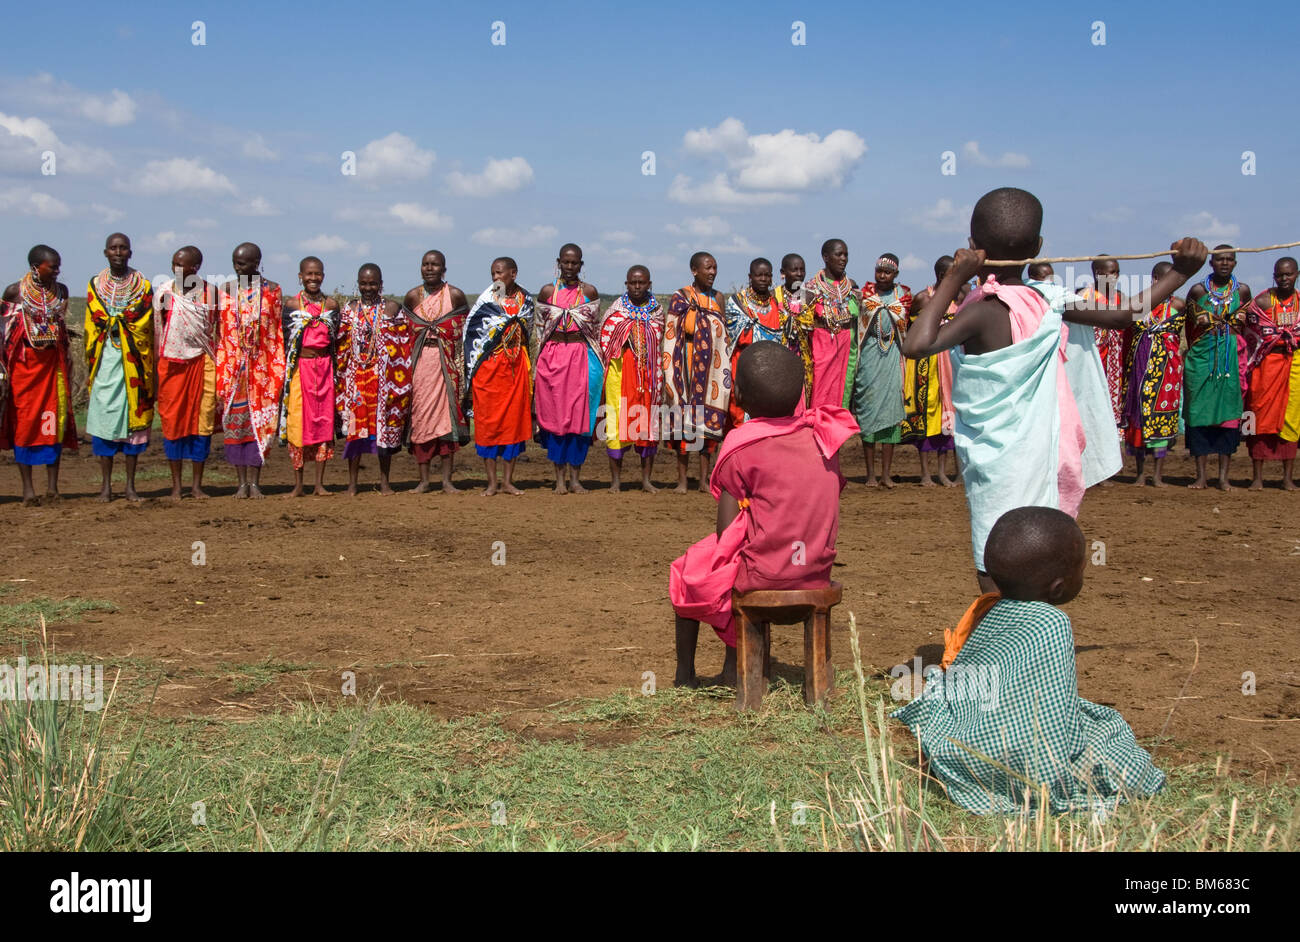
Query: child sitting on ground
x=777, y=482
x=1006, y=720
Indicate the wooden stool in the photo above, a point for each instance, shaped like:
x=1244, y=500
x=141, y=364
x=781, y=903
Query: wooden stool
x=756, y=612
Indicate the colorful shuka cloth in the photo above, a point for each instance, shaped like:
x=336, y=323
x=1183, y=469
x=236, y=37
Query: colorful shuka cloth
x=250, y=370
x=750, y=319
x=1110, y=348
x=1018, y=435
x=119, y=363
x=1004, y=727
x=631, y=340
x=1101, y=453
x=499, y=372
x=1272, y=337
x=1212, y=388
x=309, y=419
x=438, y=425
x=37, y=420
x=834, y=307
x=927, y=390
x=878, y=379
x=785, y=474
x=569, y=375
x=373, y=378
x=697, y=370
x=798, y=320
x=187, y=370
x=1153, y=399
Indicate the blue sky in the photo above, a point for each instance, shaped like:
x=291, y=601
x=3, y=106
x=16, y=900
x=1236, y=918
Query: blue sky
x=761, y=146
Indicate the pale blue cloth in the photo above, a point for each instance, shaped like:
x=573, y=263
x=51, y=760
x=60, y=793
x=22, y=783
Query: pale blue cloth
x=1101, y=452
x=877, y=399
x=1007, y=427
x=106, y=417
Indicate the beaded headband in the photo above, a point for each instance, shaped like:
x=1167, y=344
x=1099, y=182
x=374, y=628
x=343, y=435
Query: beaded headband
x=887, y=263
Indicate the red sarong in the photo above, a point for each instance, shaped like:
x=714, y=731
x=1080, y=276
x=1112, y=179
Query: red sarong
x=503, y=398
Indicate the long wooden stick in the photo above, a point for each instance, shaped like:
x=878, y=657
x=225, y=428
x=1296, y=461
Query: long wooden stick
x=1016, y=263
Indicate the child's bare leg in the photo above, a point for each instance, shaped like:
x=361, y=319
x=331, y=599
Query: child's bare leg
x=1199, y=483
x=575, y=486
x=869, y=455
x=615, y=473
x=943, y=470
x=385, y=468
x=254, y=491
x=297, y=482
x=508, y=483
x=196, y=480
x=1141, y=459
x=423, y=486
x=706, y=468
x=886, y=463
x=132, y=461
x=688, y=633
x=490, y=466
x=926, y=480
x=29, y=492
x=1288, y=474
x=176, y=468
x=682, y=459
x=319, y=490
x=1223, y=472
x=354, y=466
x=1257, y=482
x=106, y=474
x=448, y=467
x=1156, y=479
x=647, y=468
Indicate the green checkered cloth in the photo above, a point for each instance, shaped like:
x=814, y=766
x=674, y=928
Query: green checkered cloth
x=1007, y=720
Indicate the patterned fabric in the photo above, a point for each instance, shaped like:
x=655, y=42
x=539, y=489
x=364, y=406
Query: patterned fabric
x=250, y=363
x=1273, y=369
x=750, y=320
x=190, y=326
x=1006, y=723
x=878, y=379
x=697, y=372
x=438, y=326
x=1110, y=347
x=121, y=315
x=927, y=384
x=38, y=410
x=798, y=319
x=295, y=324
x=834, y=307
x=1211, y=372
x=631, y=342
x=486, y=327
x=1154, y=395
x=373, y=377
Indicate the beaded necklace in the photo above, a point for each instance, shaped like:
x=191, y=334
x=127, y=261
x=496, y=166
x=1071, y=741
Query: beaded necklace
x=640, y=334
x=117, y=293
x=42, y=310
x=370, y=336
x=837, y=298
x=1289, y=307
x=1220, y=298
x=251, y=328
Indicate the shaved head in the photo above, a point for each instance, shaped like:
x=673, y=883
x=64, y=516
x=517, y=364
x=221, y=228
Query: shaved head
x=1035, y=554
x=1006, y=223
x=769, y=377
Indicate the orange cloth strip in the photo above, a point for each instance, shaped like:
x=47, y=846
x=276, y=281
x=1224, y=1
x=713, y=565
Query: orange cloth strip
x=954, y=638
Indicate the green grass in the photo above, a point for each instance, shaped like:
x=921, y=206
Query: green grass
x=20, y=621
x=250, y=677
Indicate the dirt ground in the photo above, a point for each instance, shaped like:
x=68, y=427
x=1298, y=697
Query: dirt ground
x=1194, y=590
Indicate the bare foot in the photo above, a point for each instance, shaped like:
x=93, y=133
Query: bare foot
x=1196, y=486
x=872, y=482
x=886, y=481
x=296, y=492
x=704, y=487
x=105, y=496
x=490, y=490
x=649, y=488
x=1288, y=485
x=576, y=488
x=927, y=482
x=175, y=495
x=1140, y=481
x=385, y=488
x=1256, y=486
x=1224, y=485
x=255, y=492
x=52, y=497
x=947, y=481
x=686, y=680
x=615, y=486
x=319, y=491
x=1157, y=482
x=422, y=488
x=31, y=500
x=132, y=496
x=560, y=488
x=511, y=489
x=352, y=490
x=681, y=489
x=198, y=493
x=449, y=488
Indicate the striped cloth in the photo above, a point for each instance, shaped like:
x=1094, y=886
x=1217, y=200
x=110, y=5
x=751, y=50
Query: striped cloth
x=1012, y=695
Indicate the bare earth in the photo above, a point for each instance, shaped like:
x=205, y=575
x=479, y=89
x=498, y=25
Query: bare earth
x=1196, y=589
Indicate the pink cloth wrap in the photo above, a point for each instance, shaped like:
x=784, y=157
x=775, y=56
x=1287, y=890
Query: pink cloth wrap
x=830, y=366
x=430, y=408
x=560, y=389
x=316, y=379
x=701, y=580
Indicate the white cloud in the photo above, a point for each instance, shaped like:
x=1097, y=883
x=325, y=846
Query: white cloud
x=324, y=243
x=701, y=227
x=46, y=93
x=1009, y=159
x=256, y=148
x=257, y=206
x=736, y=245
x=107, y=214
x=911, y=263
x=23, y=142
x=177, y=175
x=944, y=217
x=1204, y=225
x=419, y=217
x=720, y=192
x=499, y=176
x=516, y=238
x=23, y=202
x=394, y=159
x=618, y=236
x=784, y=161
